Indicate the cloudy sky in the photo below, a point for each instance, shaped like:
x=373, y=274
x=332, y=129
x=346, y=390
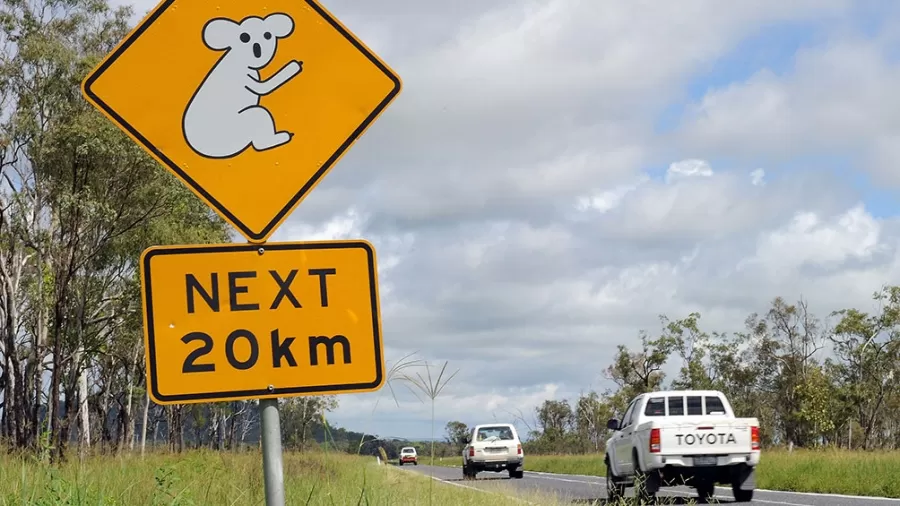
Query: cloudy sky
x=557, y=173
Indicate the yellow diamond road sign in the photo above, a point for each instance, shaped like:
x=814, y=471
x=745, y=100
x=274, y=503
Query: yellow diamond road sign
x=248, y=103
x=236, y=321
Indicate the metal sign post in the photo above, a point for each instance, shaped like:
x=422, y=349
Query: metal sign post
x=273, y=469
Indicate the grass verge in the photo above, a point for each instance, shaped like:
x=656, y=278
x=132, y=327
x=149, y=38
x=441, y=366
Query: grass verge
x=201, y=478
x=818, y=471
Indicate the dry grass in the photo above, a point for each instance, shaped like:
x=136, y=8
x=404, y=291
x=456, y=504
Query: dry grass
x=207, y=478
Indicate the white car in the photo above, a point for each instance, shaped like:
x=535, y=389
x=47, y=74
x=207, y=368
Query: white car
x=408, y=455
x=684, y=437
x=493, y=447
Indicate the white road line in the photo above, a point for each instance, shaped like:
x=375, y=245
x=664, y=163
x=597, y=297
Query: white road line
x=568, y=480
x=837, y=496
x=809, y=494
x=460, y=485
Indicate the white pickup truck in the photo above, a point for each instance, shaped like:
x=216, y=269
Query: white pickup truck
x=684, y=437
x=493, y=447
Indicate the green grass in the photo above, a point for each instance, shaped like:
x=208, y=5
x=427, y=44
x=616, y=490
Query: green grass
x=821, y=471
x=207, y=478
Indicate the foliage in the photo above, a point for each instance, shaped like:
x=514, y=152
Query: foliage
x=79, y=202
x=781, y=370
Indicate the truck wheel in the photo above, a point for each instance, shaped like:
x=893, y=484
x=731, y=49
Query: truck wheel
x=615, y=492
x=742, y=495
x=706, y=491
x=644, y=488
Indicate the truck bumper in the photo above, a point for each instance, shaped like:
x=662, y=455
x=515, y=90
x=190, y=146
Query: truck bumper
x=660, y=461
x=740, y=475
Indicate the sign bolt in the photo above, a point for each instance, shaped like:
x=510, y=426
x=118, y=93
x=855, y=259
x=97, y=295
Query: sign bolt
x=261, y=251
x=271, y=388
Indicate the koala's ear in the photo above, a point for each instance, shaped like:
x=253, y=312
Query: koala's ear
x=281, y=25
x=220, y=33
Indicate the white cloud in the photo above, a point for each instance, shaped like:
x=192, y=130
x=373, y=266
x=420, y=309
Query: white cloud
x=840, y=99
x=809, y=240
x=688, y=168
x=758, y=177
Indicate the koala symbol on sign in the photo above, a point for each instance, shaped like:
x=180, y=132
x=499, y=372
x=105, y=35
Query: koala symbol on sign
x=224, y=117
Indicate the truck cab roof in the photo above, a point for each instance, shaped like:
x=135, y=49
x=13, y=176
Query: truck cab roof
x=682, y=403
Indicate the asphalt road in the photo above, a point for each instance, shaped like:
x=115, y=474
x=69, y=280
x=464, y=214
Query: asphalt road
x=579, y=489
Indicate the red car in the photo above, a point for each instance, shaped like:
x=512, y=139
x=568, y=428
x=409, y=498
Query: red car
x=408, y=455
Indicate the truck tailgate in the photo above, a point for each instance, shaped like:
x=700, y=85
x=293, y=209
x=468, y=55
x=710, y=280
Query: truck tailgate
x=705, y=437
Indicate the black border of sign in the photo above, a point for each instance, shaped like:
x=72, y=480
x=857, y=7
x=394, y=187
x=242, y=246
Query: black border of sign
x=231, y=248
x=293, y=202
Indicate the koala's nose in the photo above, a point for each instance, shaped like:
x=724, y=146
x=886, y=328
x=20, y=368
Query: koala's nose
x=257, y=50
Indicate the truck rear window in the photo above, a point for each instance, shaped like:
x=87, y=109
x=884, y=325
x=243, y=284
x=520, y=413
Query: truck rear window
x=499, y=432
x=656, y=406
x=676, y=406
x=714, y=406
x=694, y=405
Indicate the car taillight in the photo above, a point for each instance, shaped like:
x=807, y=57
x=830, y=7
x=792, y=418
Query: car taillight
x=519, y=449
x=654, y=441
x=471, y=451
x=754, y=438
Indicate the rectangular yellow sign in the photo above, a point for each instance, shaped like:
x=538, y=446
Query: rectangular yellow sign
x=243, y=321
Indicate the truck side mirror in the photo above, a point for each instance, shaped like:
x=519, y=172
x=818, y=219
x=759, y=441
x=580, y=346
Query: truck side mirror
x=612, y=424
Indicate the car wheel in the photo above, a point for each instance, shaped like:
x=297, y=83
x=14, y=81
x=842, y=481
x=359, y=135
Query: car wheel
x=400, y=463
x=518, y=475
x=614, y=491
x=416, y=463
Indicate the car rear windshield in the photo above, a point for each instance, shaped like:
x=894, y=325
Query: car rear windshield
x=408, y=450
x=656, y=406
x=676, y=406
x=714, y=406
x=694, y=405
x=500, y=432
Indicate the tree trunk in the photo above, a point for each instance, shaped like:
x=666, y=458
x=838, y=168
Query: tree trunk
x=103, y=419
x=71, y=413
x=144, y=425
x=83, y=411
x=129, y=403
x=220, y=432
x=53, y=401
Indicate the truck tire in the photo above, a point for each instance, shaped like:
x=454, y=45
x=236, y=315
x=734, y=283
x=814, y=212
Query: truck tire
x=742, y=495
x=706, y=491
x=644, y=486
x=615, y=492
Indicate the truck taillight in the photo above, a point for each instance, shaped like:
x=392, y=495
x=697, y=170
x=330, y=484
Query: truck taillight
x=754, y=438
x=471, y=451
x=519, y=449
x=654, y=441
